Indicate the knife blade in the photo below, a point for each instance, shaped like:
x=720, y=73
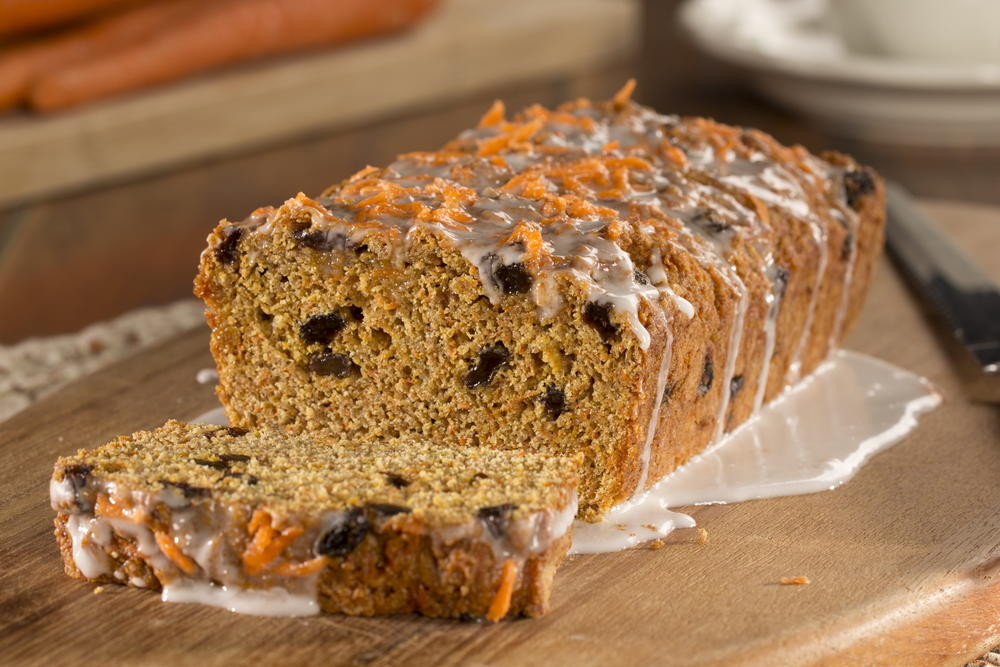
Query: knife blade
x=963, y=294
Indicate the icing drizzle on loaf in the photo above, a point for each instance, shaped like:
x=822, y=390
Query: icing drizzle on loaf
x=599, y=192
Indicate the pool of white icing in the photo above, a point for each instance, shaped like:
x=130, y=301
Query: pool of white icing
x=814, y=437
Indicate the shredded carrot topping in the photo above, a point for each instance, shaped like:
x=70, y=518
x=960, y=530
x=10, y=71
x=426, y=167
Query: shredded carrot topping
x=494, y=115
x=501, y=600
x=622, y=97
x=174, y=553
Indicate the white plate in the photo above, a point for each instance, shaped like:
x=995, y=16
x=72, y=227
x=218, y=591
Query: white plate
x=794, y=56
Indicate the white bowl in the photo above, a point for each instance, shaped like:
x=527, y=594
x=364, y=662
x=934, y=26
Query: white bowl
x=792, y=53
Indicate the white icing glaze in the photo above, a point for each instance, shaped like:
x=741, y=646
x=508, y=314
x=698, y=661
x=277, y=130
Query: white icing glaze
x=813, y=438
x=88, y=556
x=275, y=601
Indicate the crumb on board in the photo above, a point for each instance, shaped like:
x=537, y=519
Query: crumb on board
x=98, y=589
x=795, y=581
x=655, y=544
x=702, y=536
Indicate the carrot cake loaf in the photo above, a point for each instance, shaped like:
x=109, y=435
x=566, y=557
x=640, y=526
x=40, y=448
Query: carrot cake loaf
x=268, y=523
x=598, y=279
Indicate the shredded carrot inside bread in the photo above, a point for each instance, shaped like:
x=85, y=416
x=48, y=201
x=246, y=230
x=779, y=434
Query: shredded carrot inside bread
x=174, y=553
x=267, y=544
x=501, y=601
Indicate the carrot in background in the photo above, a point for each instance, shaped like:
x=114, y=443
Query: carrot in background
x=19, y=16
x=21, y=65
x=220, y=33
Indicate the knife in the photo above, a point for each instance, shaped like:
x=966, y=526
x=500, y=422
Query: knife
x=962, y=293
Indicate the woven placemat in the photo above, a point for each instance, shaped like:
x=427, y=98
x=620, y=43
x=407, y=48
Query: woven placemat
x=38, y=366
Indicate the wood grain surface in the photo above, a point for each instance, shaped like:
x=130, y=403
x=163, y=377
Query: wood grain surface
x=904, y=560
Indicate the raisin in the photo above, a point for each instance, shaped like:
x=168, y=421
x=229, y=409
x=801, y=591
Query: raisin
x=496, y=518
x=321, y=328
x=234, y=458
x=78, y=475
x=707, y=375
x=668, y=391
x=491, y=359
x=345, y=537
x=188, y=490
x=845, y=250
x=386, y=510
x=640, y=277
x=218, y=465
x=512, y=278
x=328, y=363
x=236, y=431
x=857, y=184
x=598, y=315
x=317, y=239
x=554, y=400
x=396, y=480
x=735, y=385
x=357, y=314
x=480, y=475
x=252, y=480
x=226, y=252
x=780, y=281
x=710, y=222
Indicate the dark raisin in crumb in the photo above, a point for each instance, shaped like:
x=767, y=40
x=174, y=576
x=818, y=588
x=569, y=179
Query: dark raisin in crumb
x=226, y=252
x=344, y=537
x=236, y=431
x=357, y=314
x=710, y=222
x=496, y=518
x=668, y=391
x=480, y=475
x=234, y=458
x=188, y=490
x=735, y=385
x=328, y=363
x=321, y=328
x=252, y=480
x=598, y=315
x=554, y=400
x=386, y=510
x=640, y=277
x=491, y=359
x=845, y=250
x=396, y=480
x=780, y=281
x=359, y=248
x=218, y=465
x=857, y=184
x=78, y=475
x=317, y=239
x=707, y=375
x=512, y=278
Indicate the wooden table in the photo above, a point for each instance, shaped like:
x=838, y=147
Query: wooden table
x=904, y=559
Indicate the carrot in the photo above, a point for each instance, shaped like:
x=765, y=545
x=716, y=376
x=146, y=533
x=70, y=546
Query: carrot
x=501, y=600
x=20, y=66
x=223, y=32
x=20, y=16
x=173, y=552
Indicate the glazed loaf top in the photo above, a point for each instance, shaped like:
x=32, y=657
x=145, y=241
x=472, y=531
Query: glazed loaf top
x=599, y=194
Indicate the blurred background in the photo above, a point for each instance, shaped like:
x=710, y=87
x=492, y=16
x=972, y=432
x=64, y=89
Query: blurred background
x=128, y=129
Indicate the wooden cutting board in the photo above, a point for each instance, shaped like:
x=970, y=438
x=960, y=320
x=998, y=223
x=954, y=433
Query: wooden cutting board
x=904, y=559
x=464, y=46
